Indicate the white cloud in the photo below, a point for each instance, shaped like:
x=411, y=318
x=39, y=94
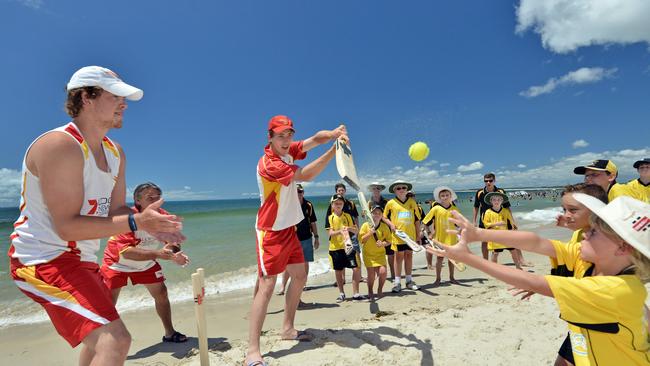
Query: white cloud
x=34, y=4
x=10, y=181
x=470, y=167
x=521, y=166
x=566, y=25
x=583, y=75
x=579, y=143
x=444, y=165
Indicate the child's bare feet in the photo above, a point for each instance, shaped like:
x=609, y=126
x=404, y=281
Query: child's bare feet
x=436, y=283
x=453, y=281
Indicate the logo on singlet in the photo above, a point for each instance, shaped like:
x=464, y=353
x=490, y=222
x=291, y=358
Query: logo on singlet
x=99, y=207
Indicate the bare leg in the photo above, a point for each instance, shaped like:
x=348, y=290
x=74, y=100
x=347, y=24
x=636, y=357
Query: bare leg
x=399, y=259
x=516, y=258
x=371, y=281
x=429, y=260
x=259, y=308
x=391, y=263
x=451, y=273
x=484, y=250
x=106, y=345
x=382, y=280
x=408, y=262
x=438, y=270
x=356, y=279
x=159, y=293
x=495, y=256
x=283, y=286
x=339, y=280
x=292, y=298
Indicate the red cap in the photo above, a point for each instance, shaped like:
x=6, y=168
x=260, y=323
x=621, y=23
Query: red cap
x=280, y=123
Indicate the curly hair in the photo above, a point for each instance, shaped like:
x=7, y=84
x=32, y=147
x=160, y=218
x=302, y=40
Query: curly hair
x=74, y=101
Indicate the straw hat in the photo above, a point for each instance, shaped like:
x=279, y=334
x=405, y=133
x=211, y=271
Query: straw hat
x=376, y=184
x=436, y=193
x=627, y=216
x=399, y=182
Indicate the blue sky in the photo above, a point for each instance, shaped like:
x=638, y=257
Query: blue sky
x=528, y=89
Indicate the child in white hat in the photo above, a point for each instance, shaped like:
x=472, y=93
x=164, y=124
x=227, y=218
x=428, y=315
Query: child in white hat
x=606, y=312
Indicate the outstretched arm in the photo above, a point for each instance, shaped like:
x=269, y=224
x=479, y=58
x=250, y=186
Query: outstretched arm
x=313, y=169
x=515, y=277
x=523, y=240
x=322, y=137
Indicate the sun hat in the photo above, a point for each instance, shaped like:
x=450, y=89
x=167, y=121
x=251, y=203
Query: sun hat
x=638, y=163
x=299, y=188
x=436, y=193
x=601, y=165
x=105, y=79
x=488, y=197
x=399, y=182
x=376, y=184
x=627, y=216
x=280, y=123
x=377, y=207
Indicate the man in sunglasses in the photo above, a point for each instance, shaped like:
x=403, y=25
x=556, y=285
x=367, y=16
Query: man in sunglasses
x=480, y=206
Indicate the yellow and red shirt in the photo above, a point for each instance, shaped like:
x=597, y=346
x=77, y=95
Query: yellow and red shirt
x=280, y=206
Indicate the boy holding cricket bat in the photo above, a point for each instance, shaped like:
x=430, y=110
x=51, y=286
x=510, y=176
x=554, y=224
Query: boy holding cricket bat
x=341, y=252
x=375, y=237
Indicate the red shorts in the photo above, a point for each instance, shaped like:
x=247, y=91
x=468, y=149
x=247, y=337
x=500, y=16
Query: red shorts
x=117, y=279
x=72, y=292
x=276, y=250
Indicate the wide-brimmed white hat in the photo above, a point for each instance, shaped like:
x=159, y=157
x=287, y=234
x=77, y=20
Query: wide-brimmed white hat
x=628, y=217
x=376, y=184
x=105, y=79
x=400, y=182
x=437, y=190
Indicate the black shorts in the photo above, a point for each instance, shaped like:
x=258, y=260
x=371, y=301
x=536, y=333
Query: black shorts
x=341, y=261
x=403, y=247
x=566, y=352
x=502, y=249
x=389, y=250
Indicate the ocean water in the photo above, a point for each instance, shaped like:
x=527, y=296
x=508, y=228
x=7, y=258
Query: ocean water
x=221, y=239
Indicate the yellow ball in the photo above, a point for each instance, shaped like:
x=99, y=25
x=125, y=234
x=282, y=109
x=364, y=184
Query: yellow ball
x=419, y=151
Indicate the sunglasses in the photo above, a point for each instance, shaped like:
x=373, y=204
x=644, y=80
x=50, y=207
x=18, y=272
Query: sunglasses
x=488, y=180
x=399, y=188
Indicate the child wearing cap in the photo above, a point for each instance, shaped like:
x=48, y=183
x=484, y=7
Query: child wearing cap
x=340, y=225
x=606, y=312
x=498, y=217
x=437, y=223
x=604, y=174
x=375, y=237
x=640, y=188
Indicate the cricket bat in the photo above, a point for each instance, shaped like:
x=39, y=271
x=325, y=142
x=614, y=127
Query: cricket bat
x=345, y=165
x=459, y=266
x=410, y=242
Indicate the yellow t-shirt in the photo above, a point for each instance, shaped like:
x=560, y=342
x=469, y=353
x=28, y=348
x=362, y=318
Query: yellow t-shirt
x=374, y=256
x=618, y=190
x=638, y=190
x=337, y=223
x=606, y=317
x=403, y=215
x=567, y=261
x=439, y=217
x=491, y=217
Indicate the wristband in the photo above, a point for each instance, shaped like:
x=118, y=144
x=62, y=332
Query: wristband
x=132, y=224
